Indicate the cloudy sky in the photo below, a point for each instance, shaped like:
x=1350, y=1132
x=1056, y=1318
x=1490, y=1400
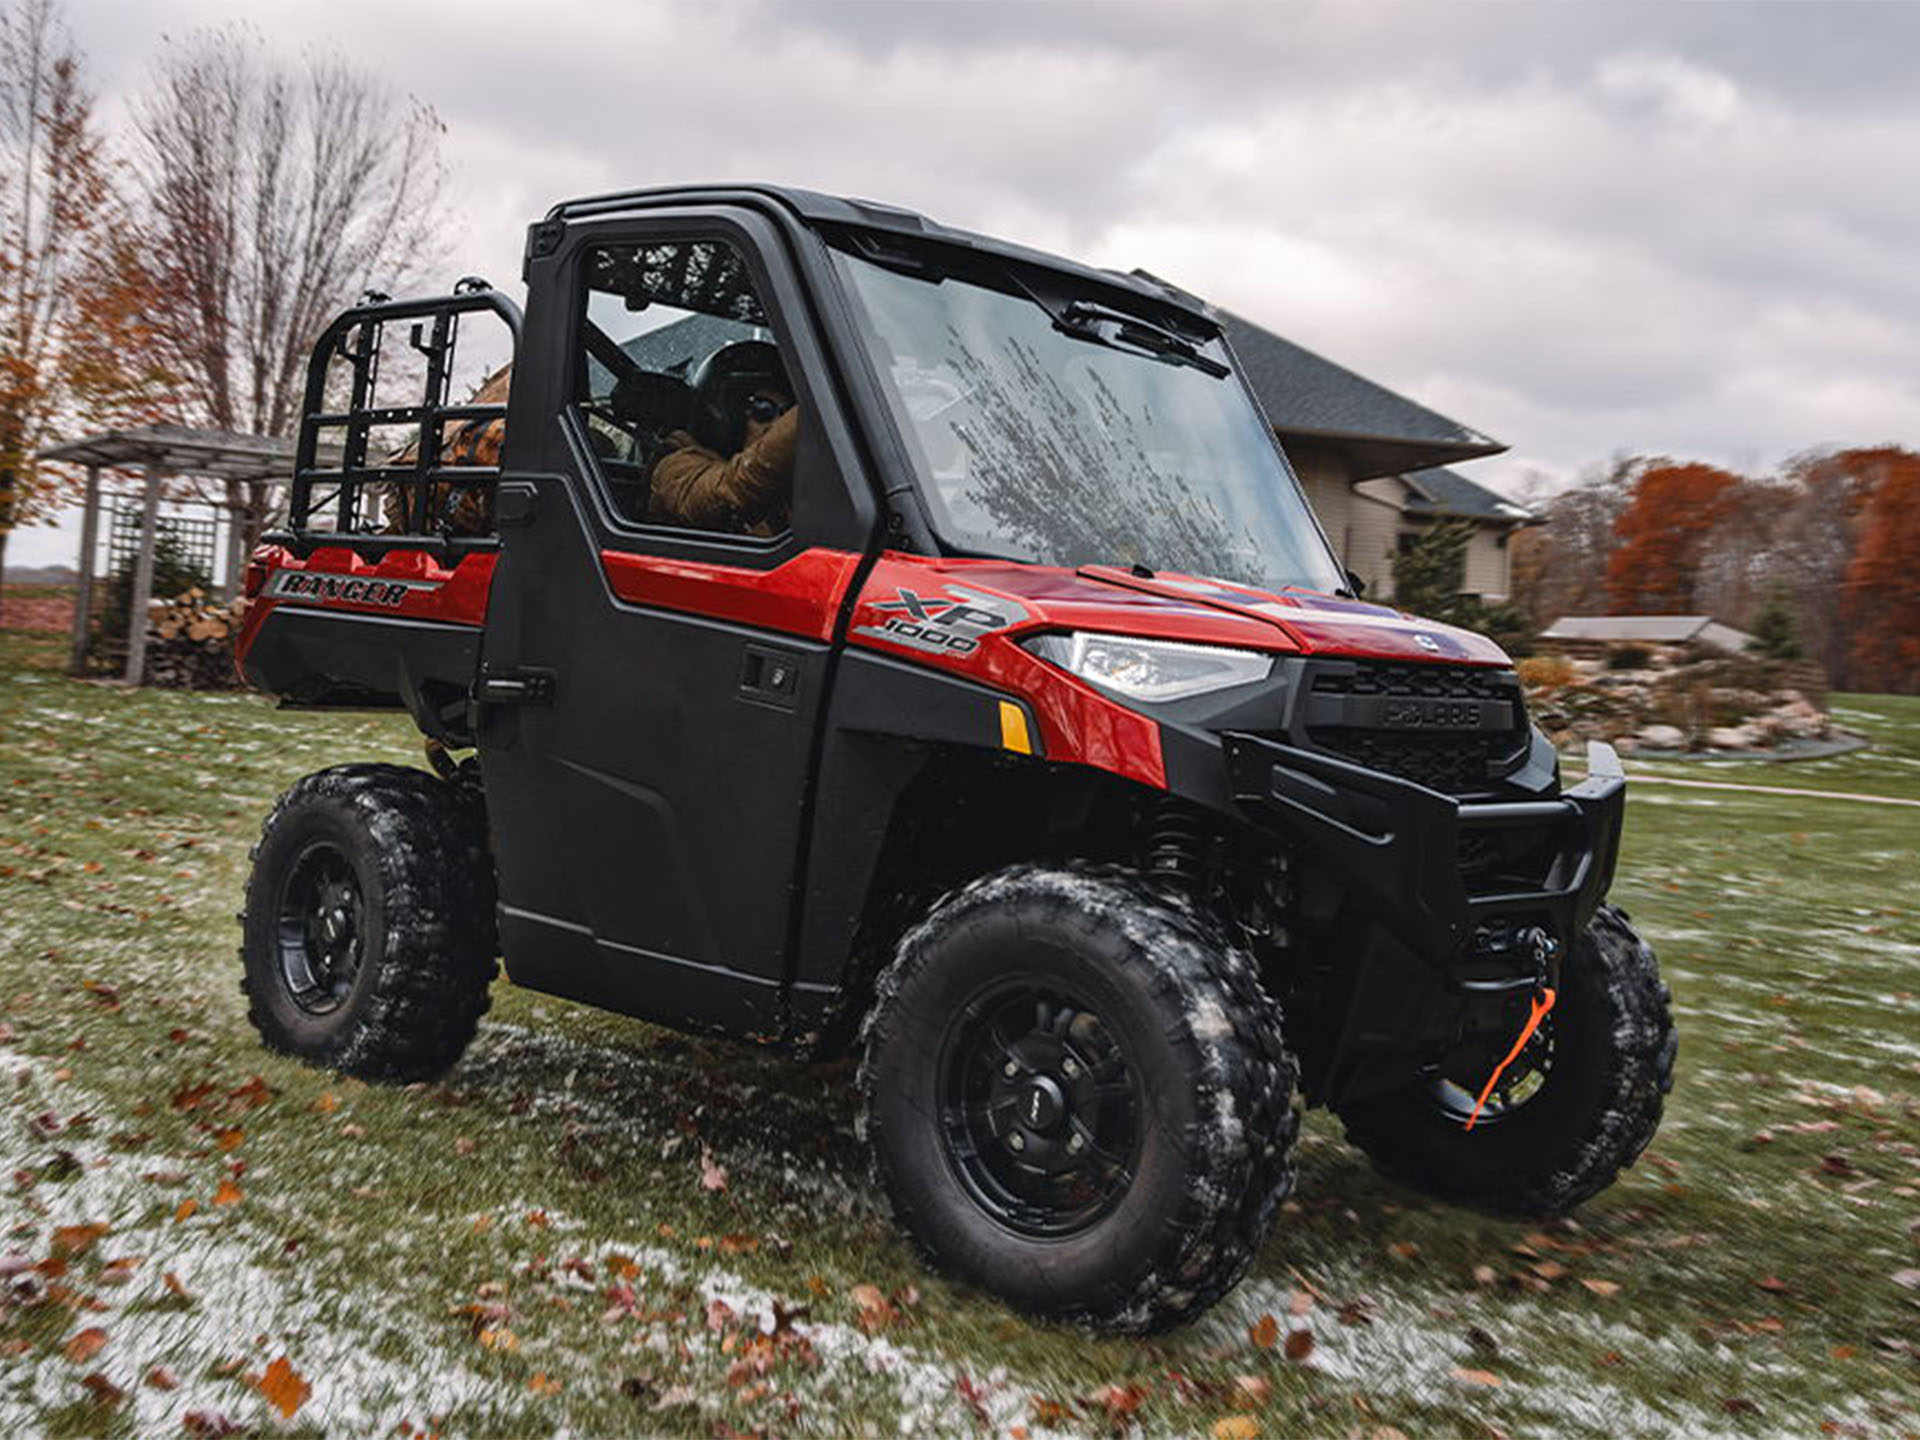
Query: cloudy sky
x=1586, y=229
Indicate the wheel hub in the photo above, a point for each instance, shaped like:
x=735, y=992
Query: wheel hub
x=319, y=931
x=1040, y=1111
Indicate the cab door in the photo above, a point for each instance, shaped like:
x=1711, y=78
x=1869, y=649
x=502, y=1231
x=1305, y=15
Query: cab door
x=651, y=686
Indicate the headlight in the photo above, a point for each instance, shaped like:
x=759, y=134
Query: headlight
x=1150, y=669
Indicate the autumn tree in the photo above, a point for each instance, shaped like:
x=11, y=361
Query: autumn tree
x=53, y=196
x=1560, y=566
x=1882, y=595
x=1817, y=535
x=274, y=194
x=1662, y=537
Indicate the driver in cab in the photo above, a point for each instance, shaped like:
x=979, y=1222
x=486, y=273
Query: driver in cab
x=744, y=483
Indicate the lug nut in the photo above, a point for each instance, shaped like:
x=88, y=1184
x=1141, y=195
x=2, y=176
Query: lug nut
x=1017, y=1141
x=1009, y=1069
x=1068, y=1068
x=1074, y=1142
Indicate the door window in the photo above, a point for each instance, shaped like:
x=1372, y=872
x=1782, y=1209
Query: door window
x=683, y=389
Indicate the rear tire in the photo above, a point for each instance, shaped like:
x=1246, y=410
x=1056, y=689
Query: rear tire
x=1609, y=1047
x=1079, y=1098
x=368, y=937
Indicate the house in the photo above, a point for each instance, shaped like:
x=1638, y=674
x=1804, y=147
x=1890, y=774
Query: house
x=1374, y=463
x=1592, y=636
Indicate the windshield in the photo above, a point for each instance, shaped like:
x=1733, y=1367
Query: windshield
x=1082, y=445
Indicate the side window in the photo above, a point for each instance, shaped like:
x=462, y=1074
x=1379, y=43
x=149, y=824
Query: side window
x=683, y=390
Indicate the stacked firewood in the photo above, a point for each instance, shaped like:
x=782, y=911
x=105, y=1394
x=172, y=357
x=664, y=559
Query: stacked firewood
x=190, y=641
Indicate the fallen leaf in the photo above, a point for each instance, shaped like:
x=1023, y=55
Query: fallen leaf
x=1773, y=1284
x=161, y=1378
x=229, y=1138
x=1479, y=1377
x=285, y=1388
x=1299, y=1344
x=208, y=1425
x=1236, y=1427
x=191, y=1097
x=187, y=1207
x=227, y=1194
x=712, y=1175
x=327, y=1103
x=1119, y=1401
x=71, y=1240
x=541, y=1384
x=876, y=1311
x=1257, y=1389
x=1403, y=1250
x=1485, y=1275
x=172, y=1282
x=1550, y=1270
x=255, y=1092
x=1605, y=1289
x=1264, y=1332
x=1908, y=1278
x=84, y=1346
x=105, y=1392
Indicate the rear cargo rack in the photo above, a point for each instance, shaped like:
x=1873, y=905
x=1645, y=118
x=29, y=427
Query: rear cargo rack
x=376, y=478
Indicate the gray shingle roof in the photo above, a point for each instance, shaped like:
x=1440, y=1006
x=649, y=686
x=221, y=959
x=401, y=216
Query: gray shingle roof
x=1651, y=629
x=1447, y=492
x=1308, y=397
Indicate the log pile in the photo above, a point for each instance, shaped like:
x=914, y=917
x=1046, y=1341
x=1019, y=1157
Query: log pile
x=190, y=642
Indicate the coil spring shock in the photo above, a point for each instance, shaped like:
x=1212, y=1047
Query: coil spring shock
x=1176, y=843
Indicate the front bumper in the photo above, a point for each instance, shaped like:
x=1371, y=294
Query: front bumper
x=1430, y=943
x=1400, y=844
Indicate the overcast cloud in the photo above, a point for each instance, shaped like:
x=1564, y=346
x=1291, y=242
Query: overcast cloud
x=1584, y=229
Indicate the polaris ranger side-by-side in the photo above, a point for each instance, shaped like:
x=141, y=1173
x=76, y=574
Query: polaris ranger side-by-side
x=1009, y=722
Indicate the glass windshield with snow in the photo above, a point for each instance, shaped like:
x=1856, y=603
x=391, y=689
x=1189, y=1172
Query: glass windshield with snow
x=1049, y=430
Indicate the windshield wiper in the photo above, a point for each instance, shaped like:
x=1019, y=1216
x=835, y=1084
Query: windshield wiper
x=1082, y=319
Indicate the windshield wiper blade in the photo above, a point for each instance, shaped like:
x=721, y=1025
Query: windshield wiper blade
x=1083, y=319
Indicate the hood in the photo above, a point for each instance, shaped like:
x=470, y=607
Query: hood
x=1171, y=606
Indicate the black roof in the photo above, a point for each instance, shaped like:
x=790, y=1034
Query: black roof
x=1441, y=492
x=817, y=208
x=1308, y=397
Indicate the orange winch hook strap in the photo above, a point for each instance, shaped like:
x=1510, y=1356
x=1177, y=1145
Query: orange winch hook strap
x=1542, y=1004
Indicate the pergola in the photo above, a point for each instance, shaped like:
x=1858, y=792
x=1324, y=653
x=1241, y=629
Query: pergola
x=161, y=451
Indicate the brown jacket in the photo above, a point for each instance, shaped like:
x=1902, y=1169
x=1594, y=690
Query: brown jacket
x=750, y=493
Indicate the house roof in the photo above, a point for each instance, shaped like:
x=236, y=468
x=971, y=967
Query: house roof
x=1440, y=492
x=1308, y=397
x=1649, y=629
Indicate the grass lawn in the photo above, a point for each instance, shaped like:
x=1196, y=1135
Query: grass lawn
x=593, y=1227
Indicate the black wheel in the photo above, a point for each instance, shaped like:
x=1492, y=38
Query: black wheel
x=1079, y=1098
x=1576, y=1106
x=368, y=939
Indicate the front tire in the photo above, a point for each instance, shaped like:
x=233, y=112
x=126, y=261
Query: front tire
x=368, y=938
x=1079, y=1098
x=1588, y=1095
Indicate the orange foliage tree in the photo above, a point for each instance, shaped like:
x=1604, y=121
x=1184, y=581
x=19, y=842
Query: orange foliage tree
x=1883, y=582
x=1662, y=536
x=53, y=192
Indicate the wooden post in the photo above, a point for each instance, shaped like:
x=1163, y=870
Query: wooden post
x=83, y=593
x=143, y=577
x=236, y=532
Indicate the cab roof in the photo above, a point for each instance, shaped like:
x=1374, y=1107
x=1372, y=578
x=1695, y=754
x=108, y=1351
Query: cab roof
x=814, y=208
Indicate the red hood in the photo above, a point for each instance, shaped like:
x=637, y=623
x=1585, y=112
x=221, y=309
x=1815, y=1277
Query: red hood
x=1187, y=607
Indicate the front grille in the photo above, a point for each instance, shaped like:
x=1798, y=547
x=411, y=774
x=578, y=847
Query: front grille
x=1454, y=762
x=1426, y=682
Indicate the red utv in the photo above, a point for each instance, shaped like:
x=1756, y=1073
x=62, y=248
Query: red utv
x=1030, y=742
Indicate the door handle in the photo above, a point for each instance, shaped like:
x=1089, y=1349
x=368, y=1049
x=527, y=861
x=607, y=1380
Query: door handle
x=770, y=676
